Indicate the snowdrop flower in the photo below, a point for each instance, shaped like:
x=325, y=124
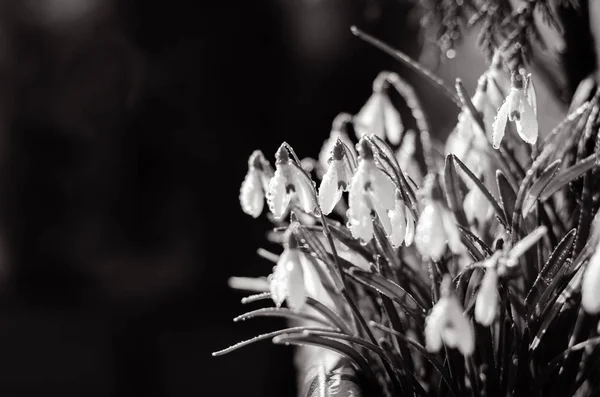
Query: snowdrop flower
x=287, y=280
x=517, y=107
x=486, y=304
x=378, y=115
x=477, y=207
x=447, y=324
x=338, y=132
x=289, y=181
x=256, y=183
x=371, y=191
x=294, y=277
x=590, y=298
x=336, y=179
x=436, y=226
x=403, y=223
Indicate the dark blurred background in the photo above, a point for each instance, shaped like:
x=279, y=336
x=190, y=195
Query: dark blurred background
x=125, y=131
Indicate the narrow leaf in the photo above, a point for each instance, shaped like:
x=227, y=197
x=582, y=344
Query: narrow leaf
x=453, y=193
x=259, y=338
x=481, y=187
x=552, y=266
x=508, y=196
x=538, y=186
x=569, y=175
x=391, y=290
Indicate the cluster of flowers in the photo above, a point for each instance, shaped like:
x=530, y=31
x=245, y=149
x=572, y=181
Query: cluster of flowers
x=486, y=231
x=375, y=195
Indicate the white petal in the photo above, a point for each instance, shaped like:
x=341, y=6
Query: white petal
x=487, y=301
x=278, y=282
x=305, y=189
x=296, y=294
x=381, y=213
x=464, y=130
x=452, y=232
x=252, y=196
x=590, y=287
x=499, y=124
x=383, y=188
x=399, y=224
x=527, y=126
x=531, y=94
x=312, y=283
x=369, y=119
x=392, y=121
x=329, y=192
x=277, y=196
x=410, y=228
x=433, y=326
x=357, y=187
x=460, y=334
x=360, y=222
x=325, y=153
x=477, y=207
x=430, y=237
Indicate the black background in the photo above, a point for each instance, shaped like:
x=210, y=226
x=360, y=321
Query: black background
x=124, y=142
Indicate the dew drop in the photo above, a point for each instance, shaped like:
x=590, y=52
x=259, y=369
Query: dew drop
x=451, y=53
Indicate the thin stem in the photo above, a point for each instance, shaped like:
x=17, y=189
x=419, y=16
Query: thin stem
x=408, y=61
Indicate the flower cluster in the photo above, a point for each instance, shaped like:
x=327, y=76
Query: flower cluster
x=470, y=272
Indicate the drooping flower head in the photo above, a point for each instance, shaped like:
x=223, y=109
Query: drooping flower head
x=371, y=192
x=378, y=115
x=447, y=324
x=255, y=184
x=337, y=177
x=294, y=277
x=478, y=209
x=436, y=227
x=290, y=181
x=338, y=131
x=519, y=108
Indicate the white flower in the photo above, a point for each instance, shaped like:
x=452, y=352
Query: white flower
x=436, y=227
x=294, y=278
x=477, y=207
x=517, y=107
x=590, y=287
x=447, y=324
x=256, y=183
x=403, y=224
x=371, y=190
x=486, y=304
x=336, y=179
x=337, y=133
x=287, y=281
x=289, y=181
x=379, y=116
